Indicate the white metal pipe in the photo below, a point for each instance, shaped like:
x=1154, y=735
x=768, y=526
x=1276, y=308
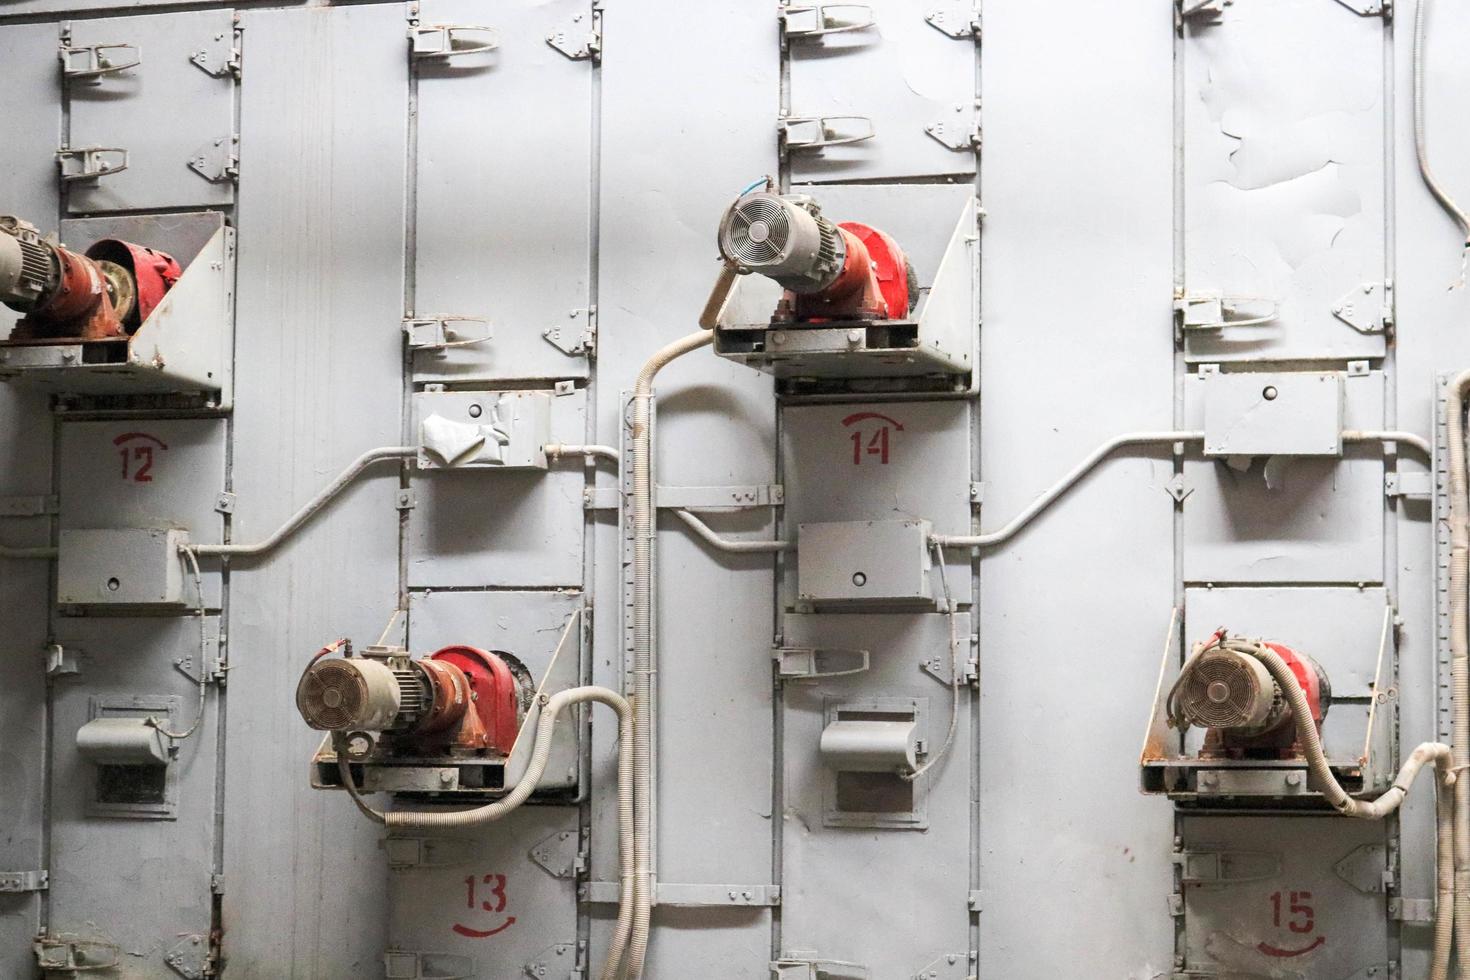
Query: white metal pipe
x=716, y=540
x=316, y=503
x=1421, y=150
x=1407, y=438
x=644, y=693
x=556, y=450
x=1055, y=492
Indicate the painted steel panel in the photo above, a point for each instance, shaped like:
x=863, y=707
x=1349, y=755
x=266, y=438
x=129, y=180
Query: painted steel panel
x=902, y=74
x=493, y=903
x=141, y=473
x=528, y=626
x=1320, y=520
x=32, y=123
x=880, y=461
x=478, y=527
x=1292, y=908
x=99, y=865
x=672, y=184
x=125, y=109
x=1284, y=181
x=320, y=300
x=848, y=892
x=504, y=219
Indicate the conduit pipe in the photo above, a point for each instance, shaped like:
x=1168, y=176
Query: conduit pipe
x=716, y=540
x=1407, y=438
x=556, y=450
x=316, y=503
x=644, y=691
x=1421, y=150
x=1459, y=581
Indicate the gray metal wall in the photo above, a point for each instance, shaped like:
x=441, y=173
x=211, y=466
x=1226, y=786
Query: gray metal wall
x=1126, y=158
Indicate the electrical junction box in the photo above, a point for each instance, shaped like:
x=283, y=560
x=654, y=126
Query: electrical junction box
x=504, y=429
x=862, y=564
x=1277, y=414
x=124, y=567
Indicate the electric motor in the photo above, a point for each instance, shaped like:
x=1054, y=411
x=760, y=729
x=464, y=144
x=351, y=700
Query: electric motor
x=784, y=238
x=28, y=266
x=361, y=694
x=1229, y=691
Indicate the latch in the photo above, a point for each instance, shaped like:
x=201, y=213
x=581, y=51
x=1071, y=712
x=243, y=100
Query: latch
x=1210, y=310
x=560, y=855
x=442, y=41
x=218, y=161
x=815, y=20
x=1226, y=867
x=69, y=955
x=579, y=40
x=440, y=333
x=413, y=965
x=957, y=18
x=405, y=853
x=816, y=132
x=89, y=163
x=961, y=131
x=801, y=964
x=1368, y=308
x=814, y=663
x=92, y=61
x=219, y=57
x=574, y=342
x=13, y=882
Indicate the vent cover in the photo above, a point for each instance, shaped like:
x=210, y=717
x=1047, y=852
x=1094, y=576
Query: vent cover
x=332, y=695
x=1228, y=690
x=758, y=230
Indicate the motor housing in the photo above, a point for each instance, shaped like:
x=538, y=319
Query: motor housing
x=1230, y=693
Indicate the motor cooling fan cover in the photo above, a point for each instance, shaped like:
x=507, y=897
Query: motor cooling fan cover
x=757, y=231
x=1229, y=690
x=334, y=695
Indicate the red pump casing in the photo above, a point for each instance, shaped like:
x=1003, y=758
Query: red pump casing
x=494, y=695
x=873, y=283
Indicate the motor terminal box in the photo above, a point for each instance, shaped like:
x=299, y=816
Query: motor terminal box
x=124, y=567
x=865, y=564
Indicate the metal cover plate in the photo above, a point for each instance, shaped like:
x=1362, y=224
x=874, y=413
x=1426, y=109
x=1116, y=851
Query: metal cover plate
x=1259, y=414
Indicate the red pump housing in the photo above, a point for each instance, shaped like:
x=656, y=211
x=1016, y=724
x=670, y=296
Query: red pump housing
x=494, y=695
x=874, y=283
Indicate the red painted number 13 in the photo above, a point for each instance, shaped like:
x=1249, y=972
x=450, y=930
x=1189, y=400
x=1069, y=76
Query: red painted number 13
x=494, y=904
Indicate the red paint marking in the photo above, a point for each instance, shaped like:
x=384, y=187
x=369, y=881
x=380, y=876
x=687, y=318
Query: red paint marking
x=862, y=416
x=482, y=934
x=130, y=436
x=134, y=448
x=1277, y=951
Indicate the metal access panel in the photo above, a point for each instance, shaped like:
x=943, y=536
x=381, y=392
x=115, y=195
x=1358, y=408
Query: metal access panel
x=494, y=901
x=504, y=215
x=528, y=626
x=853, y=881
x=478, y=527
x=1287, y=518
x=125, y=869
x=857, y=564
x=898, y=86
x=1346, y=630
x=133, y=473
x=1284, y=182
x=173, y=113
x=1294, y=413
x=1283, y=897
x=886, y=461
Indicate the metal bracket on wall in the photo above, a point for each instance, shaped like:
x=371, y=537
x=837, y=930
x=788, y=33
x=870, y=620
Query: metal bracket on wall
x=949, y=966
x=1409, y=485
x=189, y=957
x=575, y=343
x=61, y=661
x=67, y=956
x=816, y=132
x=415, y=965
x=1415, y=910
x=89, y=62
x=811, y=663
x=34, y=506
x=219, y=57
x=581, y=39
x=561, y=855
x=959, y=132
x=426, y=852
x=1368, y=309
x=218, y=161
x=14, y=882
x=957, y=18
x=1206, y=11
x=815, y=20
x=688, y=896
x=696, y=498
x=803, y=964
x=90, y=163
x=443, y=41
x=558, y=962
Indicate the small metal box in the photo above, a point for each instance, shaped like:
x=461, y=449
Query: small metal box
x=1278, y=414
x=864, y=564
x=504, y=429
x=124, y=567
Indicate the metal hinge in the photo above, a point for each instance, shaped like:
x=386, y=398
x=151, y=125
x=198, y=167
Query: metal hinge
x=1370, y=8
x=218, y=161
x=801, y=964
x=190, y=957
x=1368, y=309
x=61, y=661
x=957, y=18
x=580, y=40
x=1208, y=11
x=813, y=663
x=960, y=132
x=816, y=132
x=948, y=966
x=57, y=955
x=217, y=884
x=442, y=41
x=219, y=57
x=815, y=20
x=82, y=62
x=561, y=855
x=414, y=965
x=1420, y=910
x=557, y=962
x=89, y=163
x=439, y=333
x=24, y=881
x=574, y=342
